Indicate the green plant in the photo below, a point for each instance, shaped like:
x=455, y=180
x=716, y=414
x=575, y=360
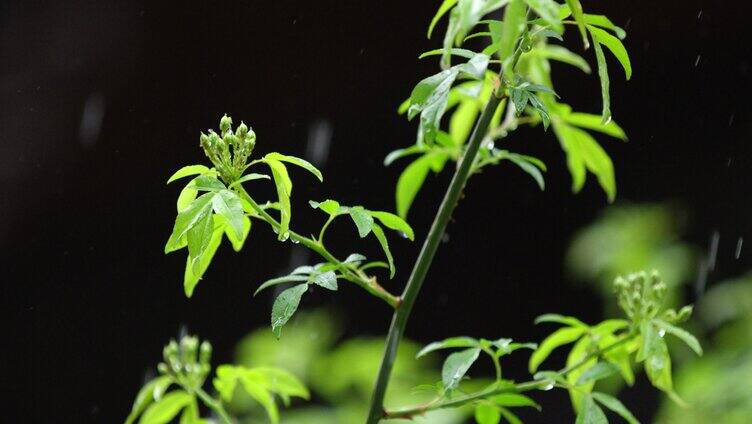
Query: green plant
x=487, y=106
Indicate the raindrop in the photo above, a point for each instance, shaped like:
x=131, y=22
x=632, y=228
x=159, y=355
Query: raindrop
x=285, y=235
x=661, y=332
x=731, y=119
x=295, y=241
x=445, y=238
x=699, y=14
x=607, y=121
x=697, y=60
x=403, y=235
x=490, y=145
x=713, y=251
x=738, y=251
x=548, y=386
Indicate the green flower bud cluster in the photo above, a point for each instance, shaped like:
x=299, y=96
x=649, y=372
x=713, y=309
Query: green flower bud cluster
x=229, y=151
x=640, y=295
x=188, y=362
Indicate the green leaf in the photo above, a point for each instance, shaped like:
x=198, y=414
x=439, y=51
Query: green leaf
x=400, y=153
x=258, y=392
x=150, y=392
x=456, y=366
x=509, y=416
x=576, y=8
x=529, y=168
x=284, y=189
x=280, y=280
x=584, y=153
x=354, y=258
x=188, y=171
x=591, y=413
x=616, y=47
x=199, y=238
x=327, y=280
x=452, y=342
x=429, y=98
x=285, y=306
x=615, y=405
x=167, y=408
x=561, y=319
x=558, y=338
x=564, y=55
x=603, y=75
x=487, y=414
x=594, y=122
x=227, y=204
x=604, y=22
x=188, y=218
x=279, y=381
x=519, y=99
x=411, y=180
x=467, y=54
x=187, y=196
x=379, y=233
x=394, y=222
x=237, y=242
x=684, y=335
x=443, y=9
x=541, y=108
x=362, y=219
x=658, y=366
x=514, y=400
x=549, y=11
x=329, y=206
x=597, y=372
x=193, y=274
x=208, y=183
x=515, y=20
x=249, y=177
x=296, y=161
x=650, y=340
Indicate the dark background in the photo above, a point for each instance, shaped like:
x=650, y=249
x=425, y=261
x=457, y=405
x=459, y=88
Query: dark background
x=102, y=101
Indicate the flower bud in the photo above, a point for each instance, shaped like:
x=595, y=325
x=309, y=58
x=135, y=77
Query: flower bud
x=241, y=131
x=205, y=352
x=684, y=313
x=225, y=124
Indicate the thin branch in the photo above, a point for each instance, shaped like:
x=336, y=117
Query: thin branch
x=369, y=284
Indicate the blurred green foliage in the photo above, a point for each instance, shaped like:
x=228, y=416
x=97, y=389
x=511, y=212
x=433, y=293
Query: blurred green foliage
x=717, y=386
x=339, y=373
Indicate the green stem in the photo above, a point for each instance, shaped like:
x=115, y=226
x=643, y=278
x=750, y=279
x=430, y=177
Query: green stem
x=214, y=404
x=409, y=413
x=368, y=284
x=418, y=275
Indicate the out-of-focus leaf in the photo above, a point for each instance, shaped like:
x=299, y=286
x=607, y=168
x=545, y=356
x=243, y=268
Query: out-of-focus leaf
x=615, y=405
x=558, y=338
x=590, y=413
x=167, y=408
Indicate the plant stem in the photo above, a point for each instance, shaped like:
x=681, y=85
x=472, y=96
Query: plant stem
x=418, y=275
x=517, y=388
x=214, y=404
x=369, y=284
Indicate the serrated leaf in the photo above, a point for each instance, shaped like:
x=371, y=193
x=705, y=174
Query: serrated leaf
x=558, y=338
x=615, y=46
x=487, y=414
x=591, y=413
x=188, y=218
x=285, y=306
x=296, y=161
x=683, y=335
x=456, y=366
x=280, y=280
x=379, y=233
x=327, y=280
x=519, y=99
x=541, y=109
x=227, y=204
x=584, y=153
x=208, y=183
x=615, y=405
x=167, y=408
x=188, y=171
x=193, y=274
x=450, y=343
x=394, y=222
x=597, y=372
x=362, y=219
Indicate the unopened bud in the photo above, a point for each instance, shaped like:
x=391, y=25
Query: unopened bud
x=685, y=313
x=241, y=131
x=205, y=352
x=225, y=124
